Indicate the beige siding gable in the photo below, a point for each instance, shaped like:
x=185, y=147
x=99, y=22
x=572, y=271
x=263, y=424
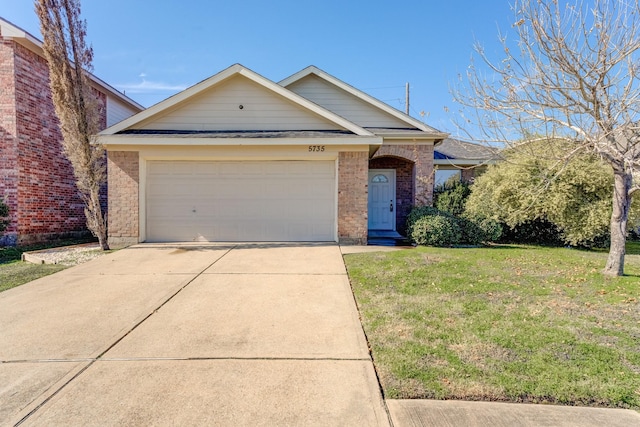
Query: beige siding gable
x=237, y=104
x=344, y=104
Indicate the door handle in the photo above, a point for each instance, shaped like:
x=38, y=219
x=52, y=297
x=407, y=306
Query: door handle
x=390, y=205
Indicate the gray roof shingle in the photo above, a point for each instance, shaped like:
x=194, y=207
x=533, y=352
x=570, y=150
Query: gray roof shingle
x=452, y=148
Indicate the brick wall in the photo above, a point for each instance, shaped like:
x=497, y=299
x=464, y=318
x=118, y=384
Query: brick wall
x=353, y=177
x=468, y=175
x=404, y=186
x=48, y=202
x=36, y=179
x=422, y=157
x=8, y=141
x=424, y=175
x=123, y=171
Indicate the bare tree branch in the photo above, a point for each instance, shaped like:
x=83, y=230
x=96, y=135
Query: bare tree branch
x=75, y=102
x=571, y=73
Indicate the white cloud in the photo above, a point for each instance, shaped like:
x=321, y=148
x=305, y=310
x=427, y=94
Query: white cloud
x=146, y=86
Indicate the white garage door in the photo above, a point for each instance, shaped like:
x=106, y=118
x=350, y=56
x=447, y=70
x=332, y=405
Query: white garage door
x=240, y=201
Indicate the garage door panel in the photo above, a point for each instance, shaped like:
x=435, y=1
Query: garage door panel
x=241, y=201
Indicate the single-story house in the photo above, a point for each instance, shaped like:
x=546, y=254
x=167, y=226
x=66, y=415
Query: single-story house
x=238, y=157
x=36, y=179
x=462, y=159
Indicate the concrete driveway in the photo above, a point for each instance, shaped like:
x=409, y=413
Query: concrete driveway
x=189, y=335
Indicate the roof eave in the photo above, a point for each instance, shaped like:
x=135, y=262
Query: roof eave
x=23, y=38
x=463, y=162
x=190, y=140
x=437, y=137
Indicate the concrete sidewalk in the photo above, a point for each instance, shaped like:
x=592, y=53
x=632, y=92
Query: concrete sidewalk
x=189, y=335
x=454, y=413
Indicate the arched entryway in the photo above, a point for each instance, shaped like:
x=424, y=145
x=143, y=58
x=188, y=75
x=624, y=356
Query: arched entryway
x=395, y=202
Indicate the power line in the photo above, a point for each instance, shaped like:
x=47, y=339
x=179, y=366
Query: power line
x=382, y=87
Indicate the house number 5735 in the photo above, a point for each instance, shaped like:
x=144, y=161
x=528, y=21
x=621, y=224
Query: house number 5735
x=316, y=148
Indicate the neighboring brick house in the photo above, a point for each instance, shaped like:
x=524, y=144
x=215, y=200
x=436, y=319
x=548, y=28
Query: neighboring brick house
x=239, y=157
x=36, y=180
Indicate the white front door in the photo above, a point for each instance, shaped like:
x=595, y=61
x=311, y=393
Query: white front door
x=382, y=199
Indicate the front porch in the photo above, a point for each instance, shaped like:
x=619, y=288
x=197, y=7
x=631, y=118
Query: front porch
x=400, y=177
x=387, y=238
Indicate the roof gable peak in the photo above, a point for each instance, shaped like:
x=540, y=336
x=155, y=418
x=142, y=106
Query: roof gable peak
x=234, y=70
x=313, y=70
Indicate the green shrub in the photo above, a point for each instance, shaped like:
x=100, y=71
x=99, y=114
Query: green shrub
x=417, y=213
x=468, y=229
x=489, y=229
x=4, y=213
x=538, y=231
x=436, y=230
x=451, y=196
x=472, y=234
x=543, y=200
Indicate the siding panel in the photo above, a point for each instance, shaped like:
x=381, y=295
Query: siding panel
x=219, y=109
x=343, y=103
x=117, y=111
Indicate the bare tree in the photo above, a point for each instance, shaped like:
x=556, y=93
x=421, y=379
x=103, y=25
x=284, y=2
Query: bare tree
x=573, y=73
x=76, y=103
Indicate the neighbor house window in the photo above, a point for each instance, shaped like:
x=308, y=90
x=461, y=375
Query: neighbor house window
x=443, y=175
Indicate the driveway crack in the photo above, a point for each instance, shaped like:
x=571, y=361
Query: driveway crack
x=92, y=361
x=155, y=310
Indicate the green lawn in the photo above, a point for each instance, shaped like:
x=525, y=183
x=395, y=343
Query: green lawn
x=507, y=323
x=14, y=272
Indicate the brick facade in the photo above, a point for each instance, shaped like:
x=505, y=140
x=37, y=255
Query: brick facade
x=37, y=179
x=414, y=175
x=353, y=178
x=8, y=140
x=424, y=175
x=422, y=157
x=124, y=179
x=468, y=175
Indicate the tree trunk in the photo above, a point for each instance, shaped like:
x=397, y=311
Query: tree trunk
x=95, y=218
x=621, y=204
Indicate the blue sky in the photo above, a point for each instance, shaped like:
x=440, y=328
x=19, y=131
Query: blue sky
x=152, y=49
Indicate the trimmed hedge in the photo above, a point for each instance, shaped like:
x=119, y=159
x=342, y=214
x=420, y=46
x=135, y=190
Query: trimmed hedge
x=417, y=213
x=436, y=230
x=427, y=225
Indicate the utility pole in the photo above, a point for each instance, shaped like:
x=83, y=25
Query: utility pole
x=406, y=108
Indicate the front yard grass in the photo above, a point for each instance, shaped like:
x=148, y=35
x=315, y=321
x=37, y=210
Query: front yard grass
x=505, y=323
x=14, y=272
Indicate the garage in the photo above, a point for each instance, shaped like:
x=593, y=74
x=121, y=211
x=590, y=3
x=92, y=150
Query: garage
x=218, y=201
x=240, y=158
